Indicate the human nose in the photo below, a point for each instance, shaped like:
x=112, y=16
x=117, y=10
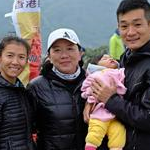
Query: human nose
x=15, y=60
x=131, y=31
x=64, y=53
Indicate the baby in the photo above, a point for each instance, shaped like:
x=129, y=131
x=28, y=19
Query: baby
x=101, y=121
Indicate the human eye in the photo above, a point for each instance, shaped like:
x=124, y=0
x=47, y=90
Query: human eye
x=70, y=48
x=56, y=50
x=9, y=55
x=137, y=24
x=22, y=57
x=105, y=57
x=123, y=26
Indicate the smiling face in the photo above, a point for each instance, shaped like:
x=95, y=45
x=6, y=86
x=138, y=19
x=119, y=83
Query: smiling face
x=65, y=56
x=12, y=61
x=134, y=28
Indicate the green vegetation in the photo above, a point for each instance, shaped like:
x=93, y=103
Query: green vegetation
x=90, y=53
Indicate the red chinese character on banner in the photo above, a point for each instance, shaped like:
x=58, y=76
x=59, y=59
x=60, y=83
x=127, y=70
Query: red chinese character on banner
x=35, y=55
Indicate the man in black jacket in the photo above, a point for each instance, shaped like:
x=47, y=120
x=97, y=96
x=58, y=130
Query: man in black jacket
x=134, y=109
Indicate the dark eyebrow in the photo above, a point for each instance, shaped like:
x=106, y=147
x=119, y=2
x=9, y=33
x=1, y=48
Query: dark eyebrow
x=134, y=20
x=9, y=52
x=55, y=46
x=70, y=44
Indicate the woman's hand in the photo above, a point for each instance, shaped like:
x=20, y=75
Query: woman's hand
x=87, y=111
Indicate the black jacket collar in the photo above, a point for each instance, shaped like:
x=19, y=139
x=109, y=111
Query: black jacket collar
x=135, y=56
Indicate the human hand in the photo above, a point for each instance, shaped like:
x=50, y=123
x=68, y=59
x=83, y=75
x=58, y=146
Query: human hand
x=87, y=110
x=103, y=92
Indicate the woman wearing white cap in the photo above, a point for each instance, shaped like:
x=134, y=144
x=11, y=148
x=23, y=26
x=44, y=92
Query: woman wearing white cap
x=60, y=107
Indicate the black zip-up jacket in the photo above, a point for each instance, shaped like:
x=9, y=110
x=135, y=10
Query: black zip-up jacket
x=15, y=118
x=60, y=107
x=134, y=109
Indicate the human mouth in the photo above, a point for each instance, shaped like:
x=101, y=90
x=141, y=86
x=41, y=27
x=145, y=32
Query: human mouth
x=132, y=40
x=65, y=62
x=14, y=68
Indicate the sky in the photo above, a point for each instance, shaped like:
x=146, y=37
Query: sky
x=93, y=31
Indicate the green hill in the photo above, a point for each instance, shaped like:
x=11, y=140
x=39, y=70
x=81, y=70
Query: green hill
x=94, y=21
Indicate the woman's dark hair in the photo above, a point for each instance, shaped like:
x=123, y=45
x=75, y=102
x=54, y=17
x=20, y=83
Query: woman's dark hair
x=13, y=39
x=129, y=5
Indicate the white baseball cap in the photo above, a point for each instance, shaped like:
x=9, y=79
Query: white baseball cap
x=62, y=33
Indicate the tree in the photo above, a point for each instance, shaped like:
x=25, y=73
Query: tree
x=90, y=53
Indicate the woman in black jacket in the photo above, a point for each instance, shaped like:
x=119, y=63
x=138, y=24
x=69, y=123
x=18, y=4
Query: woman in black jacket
x=15, y=118
x=60, y=121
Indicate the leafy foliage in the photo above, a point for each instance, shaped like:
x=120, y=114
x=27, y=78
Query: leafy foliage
x=91, y=53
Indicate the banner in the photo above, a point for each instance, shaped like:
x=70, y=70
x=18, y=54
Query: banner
x=26, y=20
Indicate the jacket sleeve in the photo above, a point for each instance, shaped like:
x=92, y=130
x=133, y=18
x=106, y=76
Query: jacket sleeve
x=86, y=89
x=33, y=103
x=135, y=115
x=32, y=96
x=1, y=112
x=112, y=47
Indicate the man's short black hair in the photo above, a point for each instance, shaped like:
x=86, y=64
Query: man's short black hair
x=129, y=5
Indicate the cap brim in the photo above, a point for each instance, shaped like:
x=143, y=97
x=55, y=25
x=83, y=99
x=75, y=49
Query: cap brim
x=60, y=39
